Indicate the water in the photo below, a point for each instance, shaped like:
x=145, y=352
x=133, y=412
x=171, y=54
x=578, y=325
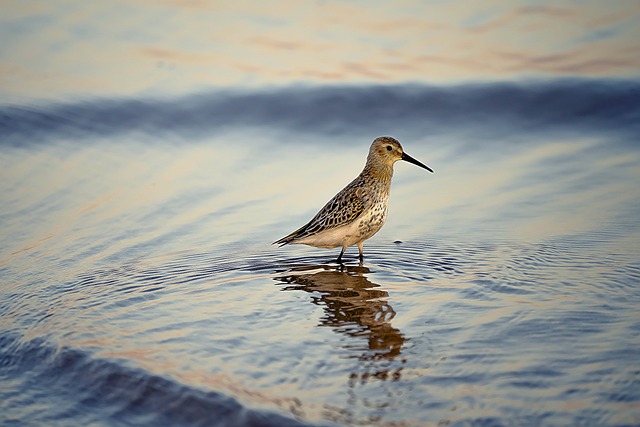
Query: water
x=139, y=286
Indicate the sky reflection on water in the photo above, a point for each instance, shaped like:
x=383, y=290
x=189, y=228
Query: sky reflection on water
x=531, y=191
x=65, y=49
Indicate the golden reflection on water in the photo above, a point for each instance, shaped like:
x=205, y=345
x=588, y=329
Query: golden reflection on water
x=177, y=46
x=222, y=192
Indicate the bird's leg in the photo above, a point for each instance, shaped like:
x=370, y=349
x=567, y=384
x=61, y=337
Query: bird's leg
x=360, y=246
x=339, y=260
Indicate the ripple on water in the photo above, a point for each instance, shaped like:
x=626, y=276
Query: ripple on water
x=447, y=332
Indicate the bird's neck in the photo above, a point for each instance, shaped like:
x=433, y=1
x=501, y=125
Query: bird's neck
x=380, y=172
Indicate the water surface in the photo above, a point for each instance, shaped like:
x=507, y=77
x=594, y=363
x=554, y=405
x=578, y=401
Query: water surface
x=139, y=285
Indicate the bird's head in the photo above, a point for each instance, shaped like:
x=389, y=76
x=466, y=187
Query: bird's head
x=386, y=150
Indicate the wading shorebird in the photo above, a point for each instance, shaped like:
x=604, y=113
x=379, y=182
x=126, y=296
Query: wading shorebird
x=359, y=210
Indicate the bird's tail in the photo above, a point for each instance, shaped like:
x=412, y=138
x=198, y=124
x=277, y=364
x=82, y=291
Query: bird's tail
x=287, y=239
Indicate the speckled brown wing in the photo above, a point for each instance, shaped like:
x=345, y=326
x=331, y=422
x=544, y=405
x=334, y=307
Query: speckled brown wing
x=342, y=209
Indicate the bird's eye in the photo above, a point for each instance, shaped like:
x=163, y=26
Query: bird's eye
x=389, y=148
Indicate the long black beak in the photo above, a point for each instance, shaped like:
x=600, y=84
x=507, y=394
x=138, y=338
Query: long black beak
x=408, y=158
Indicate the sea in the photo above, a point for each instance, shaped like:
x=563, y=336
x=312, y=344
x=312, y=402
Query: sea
x=139, y=285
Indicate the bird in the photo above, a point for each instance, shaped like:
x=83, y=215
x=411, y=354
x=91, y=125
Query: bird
x=359, y=210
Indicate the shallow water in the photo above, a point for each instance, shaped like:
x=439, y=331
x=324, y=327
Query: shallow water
x=139, y=286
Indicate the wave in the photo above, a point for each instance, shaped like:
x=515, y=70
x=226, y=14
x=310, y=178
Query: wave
x=554, y=105
x=81, y=389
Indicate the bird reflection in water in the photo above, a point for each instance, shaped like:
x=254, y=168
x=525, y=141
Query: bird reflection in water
x=353, y=306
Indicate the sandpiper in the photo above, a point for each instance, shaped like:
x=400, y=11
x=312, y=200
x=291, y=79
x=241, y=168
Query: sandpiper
x=359, y=210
